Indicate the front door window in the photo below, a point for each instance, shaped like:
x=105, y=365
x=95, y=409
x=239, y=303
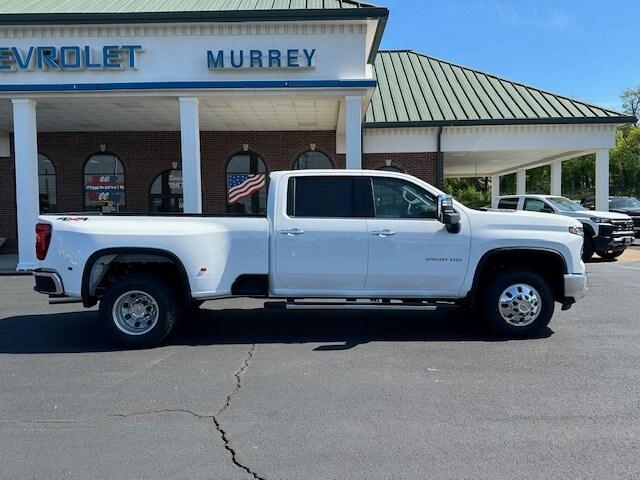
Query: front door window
x=396, y=198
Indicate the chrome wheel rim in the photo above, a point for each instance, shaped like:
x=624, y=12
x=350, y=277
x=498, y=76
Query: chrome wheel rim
x=519, y=305
x=135, y=312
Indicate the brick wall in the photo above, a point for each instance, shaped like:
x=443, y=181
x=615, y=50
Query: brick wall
x=421, y=165
x=146, y=154
x=8, y=226
x=279, y=150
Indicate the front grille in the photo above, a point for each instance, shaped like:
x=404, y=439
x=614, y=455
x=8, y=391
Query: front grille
x=622, y=225
x=636, y=221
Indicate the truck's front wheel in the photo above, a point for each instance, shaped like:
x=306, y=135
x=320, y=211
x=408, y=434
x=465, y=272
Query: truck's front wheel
x=518, y=303
x=610, y=255
x=138, y=311
x=588, y=248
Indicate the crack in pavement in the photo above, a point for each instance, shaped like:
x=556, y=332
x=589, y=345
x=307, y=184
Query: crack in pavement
x=102, y=417
x=216, y=422
x=164, y=410
x=238, y=377
x=213, y=417
x=232, y=452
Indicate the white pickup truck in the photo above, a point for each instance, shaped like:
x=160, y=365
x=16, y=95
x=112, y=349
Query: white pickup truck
x=331, y=239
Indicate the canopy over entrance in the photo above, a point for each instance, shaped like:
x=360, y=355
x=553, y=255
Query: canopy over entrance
x=483, y=125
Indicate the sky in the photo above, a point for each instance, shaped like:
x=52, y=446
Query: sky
x=584, y=49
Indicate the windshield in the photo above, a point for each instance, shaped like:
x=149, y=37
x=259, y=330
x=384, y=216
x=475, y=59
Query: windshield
x=624, y=202
x=565, y=205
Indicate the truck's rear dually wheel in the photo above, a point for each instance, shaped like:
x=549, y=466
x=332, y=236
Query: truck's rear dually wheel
x=518, y=303
x=138, y=311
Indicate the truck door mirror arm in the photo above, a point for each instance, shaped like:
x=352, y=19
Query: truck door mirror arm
x=447, y=214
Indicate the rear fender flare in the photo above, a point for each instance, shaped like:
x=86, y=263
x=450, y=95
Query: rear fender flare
x=89, y=300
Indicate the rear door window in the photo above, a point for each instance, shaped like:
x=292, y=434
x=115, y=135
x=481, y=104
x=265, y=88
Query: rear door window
x=508, y=203
x=328, y=197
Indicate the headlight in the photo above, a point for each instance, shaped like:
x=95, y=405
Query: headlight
x=598, y=220
x=577, y=231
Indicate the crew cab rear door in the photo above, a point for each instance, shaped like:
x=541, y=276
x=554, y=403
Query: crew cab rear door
x=410, y=252
x=320, y=236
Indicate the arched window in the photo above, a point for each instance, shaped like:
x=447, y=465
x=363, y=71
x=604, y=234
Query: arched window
x=166, y=192
x=247, y=184
x=47, y=185
x=313, y=160
x=391, y=168
x=104, y=183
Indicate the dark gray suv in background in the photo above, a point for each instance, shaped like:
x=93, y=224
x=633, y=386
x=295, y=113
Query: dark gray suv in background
x=620, y=204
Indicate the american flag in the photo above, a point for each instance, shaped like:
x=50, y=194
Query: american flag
x=244, y=185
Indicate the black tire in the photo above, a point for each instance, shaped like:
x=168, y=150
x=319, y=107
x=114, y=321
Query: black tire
x=588, y=248
x=191, y=312
x=610, y=256
x=491, y=305
x=196, y=304
x=148, y=287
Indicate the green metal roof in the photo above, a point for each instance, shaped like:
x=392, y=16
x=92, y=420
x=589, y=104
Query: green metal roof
x=418, y=90
x=69, y=12
x=157, y=6
x=65, y=12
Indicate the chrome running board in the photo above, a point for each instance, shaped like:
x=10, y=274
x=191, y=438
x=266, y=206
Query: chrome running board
x=350, y=305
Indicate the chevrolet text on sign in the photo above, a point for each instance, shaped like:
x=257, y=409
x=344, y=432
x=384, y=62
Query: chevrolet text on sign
x=49, y=58
x=119, y=57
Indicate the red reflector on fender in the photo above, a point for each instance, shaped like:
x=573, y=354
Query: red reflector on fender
x=43, y=237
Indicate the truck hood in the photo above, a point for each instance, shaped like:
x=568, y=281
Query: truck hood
x=515, y=218
x=634, y=212
x=597, y=213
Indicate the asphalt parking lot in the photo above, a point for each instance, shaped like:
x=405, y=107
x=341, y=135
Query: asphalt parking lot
x=246, y=393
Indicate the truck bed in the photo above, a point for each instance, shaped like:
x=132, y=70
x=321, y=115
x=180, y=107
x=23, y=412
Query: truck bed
x=213, y=249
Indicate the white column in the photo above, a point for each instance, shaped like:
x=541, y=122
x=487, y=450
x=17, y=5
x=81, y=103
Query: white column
x=353, y=127
x=495, y=190
x=602, y=180
x=190, y=142
x=556, y=178
x=25, y=134
x=521, y=182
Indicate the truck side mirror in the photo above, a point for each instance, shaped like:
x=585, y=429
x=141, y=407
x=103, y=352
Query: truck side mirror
x=447, y=214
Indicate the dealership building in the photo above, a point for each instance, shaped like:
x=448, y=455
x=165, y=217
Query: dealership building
x=164, y=106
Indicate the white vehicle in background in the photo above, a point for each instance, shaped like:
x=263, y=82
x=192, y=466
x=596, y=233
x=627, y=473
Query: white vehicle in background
x=331, y=239
x=606, y=233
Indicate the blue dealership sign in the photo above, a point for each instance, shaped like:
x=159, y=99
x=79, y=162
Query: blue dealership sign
x=291, y=58
x=68, y=58
x=119, y=57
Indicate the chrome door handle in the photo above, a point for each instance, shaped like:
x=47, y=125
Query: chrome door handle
x=292, y=232
x=383, y=233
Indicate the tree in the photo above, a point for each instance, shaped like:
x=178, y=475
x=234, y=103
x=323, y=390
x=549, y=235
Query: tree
x=578, y=174
x=625, y=163
x=631, y=101
x=508, y=184
x=471, y=192
x=539, y=180
x=578, y=177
